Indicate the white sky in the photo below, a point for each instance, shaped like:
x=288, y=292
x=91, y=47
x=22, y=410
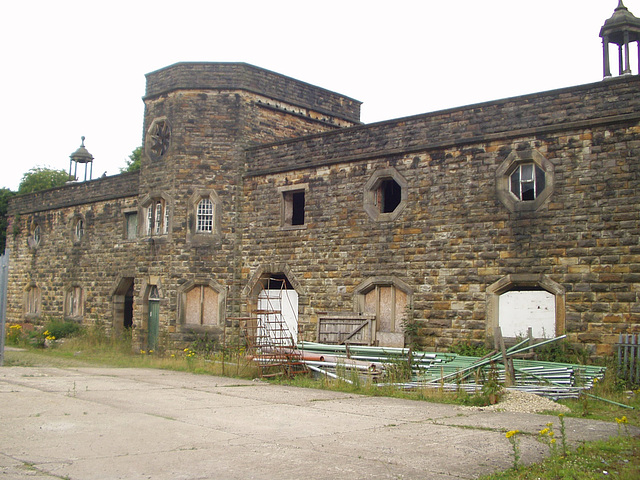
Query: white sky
x=74, y=68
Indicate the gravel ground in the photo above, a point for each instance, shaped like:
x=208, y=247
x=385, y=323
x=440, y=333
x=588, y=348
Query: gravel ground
x=523, y=402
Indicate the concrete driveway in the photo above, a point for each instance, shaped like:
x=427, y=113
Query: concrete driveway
x=108, y=423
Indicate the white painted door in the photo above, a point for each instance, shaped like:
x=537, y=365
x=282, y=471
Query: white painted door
x=282, y=303
x=521, y=309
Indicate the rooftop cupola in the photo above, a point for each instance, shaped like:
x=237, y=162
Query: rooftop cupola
x=621, y=29
x=81, y=155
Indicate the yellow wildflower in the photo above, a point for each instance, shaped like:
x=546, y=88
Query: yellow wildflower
x=511, y=433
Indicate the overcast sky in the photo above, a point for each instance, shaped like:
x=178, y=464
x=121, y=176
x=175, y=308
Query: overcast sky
x=74, y=68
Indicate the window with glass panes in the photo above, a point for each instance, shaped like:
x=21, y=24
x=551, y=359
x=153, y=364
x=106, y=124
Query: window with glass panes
x=204, y=214
x=527, y=181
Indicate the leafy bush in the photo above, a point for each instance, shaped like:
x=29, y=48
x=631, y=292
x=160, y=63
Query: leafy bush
x=62, y=328
x=205, y=344
x=563, y=352
x=470, y=349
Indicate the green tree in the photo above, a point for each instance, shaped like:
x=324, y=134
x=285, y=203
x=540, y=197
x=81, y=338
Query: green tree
x=5, y=195
x=133, y=164
x=42, y=178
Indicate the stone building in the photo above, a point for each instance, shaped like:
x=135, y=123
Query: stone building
x=522, y=212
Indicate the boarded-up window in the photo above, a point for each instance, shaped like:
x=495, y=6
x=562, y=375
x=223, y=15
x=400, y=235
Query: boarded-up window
x=32, y=301
x=131, y=224
x=201, y=306
x=73, y=303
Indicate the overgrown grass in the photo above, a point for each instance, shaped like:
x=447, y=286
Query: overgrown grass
x=616, y=458
x=596, y=403
x=92, y=346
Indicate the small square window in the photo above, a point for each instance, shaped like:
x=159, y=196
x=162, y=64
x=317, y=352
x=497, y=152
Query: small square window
x=293, y=208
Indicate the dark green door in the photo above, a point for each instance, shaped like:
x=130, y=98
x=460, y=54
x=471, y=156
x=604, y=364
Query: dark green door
x=154, y=312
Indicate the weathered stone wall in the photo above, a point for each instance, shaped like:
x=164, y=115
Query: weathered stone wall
x=254, y=80
x=455, y=238
x=74, y=194
x=60, y=261
x=539, y=113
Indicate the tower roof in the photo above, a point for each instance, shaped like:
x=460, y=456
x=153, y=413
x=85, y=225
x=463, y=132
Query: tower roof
x=622, y=20
x=81, y=155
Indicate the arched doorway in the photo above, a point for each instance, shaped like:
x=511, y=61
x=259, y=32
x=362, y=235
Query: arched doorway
x=123, y=302
x=277, y=305
x=518, y=302
x=388, y=298
x=274, y=295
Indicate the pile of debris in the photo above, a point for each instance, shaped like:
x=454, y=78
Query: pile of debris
x=449, y=371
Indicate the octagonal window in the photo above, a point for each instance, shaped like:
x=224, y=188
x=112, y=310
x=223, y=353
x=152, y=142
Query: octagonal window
x=385, y=194
x=524, y=181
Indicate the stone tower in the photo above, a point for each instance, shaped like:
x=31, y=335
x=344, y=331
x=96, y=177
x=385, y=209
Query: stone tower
x=199, y=119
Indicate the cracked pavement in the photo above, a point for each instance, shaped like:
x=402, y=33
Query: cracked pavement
x=112, y=423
